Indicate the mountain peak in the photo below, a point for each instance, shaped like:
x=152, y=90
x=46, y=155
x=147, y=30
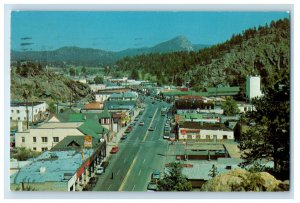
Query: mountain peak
x=179, y=43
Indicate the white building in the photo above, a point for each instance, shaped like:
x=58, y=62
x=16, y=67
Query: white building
x=46, y=136
x=198, y=131
x=253, y=87
x=36, y=111
x=97, y=87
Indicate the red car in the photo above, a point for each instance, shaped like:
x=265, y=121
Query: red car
x=114, y=150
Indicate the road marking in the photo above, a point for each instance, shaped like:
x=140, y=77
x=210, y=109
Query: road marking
x=140, y=172
x=144, y=160
x=109, y=187
x=127, y=174
x=124, y=160
x=133, y=187
x=150, y=125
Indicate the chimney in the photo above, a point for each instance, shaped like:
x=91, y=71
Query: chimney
x=20, y=126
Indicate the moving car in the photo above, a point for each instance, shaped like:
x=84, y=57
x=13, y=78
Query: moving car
x=114, y=150
x=166, y=136
x=141, y=123
x=151, y=129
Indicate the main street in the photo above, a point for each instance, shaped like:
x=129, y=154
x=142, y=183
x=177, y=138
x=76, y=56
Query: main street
x=140, y=154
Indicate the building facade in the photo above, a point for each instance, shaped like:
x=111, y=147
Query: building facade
x=36, y=111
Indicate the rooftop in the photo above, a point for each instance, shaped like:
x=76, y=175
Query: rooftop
x=207, y=126
x=56, y=165
x=16, y=104
x=60, y=125
x=92, y=128
x=73, y=142
x=93, y=105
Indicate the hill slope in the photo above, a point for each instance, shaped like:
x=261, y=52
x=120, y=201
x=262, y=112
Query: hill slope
x=45, y=85
x=263, y=51
x=94, y=57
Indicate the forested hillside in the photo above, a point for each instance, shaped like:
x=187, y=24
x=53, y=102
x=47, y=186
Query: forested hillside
x=30, y=80
x=263, y=51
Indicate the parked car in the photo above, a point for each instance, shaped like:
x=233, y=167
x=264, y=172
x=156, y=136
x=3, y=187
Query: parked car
x=136, y=118
x=114, y=150
x=99, y=170
x=152, y=186
x=155, y=175
x=141, y=123
x=129, y=129
x=123, y=137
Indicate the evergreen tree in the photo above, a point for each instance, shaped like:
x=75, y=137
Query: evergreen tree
x=270, y=137
x=174, y=180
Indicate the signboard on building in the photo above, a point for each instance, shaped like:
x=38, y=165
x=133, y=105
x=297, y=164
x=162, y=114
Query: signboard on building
x=188, y=131
x=88, y=141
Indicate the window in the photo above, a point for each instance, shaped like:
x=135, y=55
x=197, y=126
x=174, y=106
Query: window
x=24, y=118
x=18, y=111
x=44, y=149
x=34, y=148
x=197, y=136
x=44, y=139
x=10, y=118
x=208, y=137
x=33, y=139
x=18, y=118
x=55, y=139
x=12, y=111
x=23, y=139
x=225, y=137
x=27, y=111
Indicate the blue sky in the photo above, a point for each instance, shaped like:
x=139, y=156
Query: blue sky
x=115, y=31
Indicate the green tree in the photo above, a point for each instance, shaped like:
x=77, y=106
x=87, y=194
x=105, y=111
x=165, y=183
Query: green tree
x=52, y=107
x=174, y=180
x=83, y=71
x=230, y=107
x=98, y=79
x=23, y=154
x=72, y=72
x=134, y=74
x=270, y=137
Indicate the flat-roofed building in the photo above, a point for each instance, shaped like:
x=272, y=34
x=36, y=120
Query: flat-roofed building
x=204, y=132
x=68, y=167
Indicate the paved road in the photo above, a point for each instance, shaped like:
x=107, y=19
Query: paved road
x=142, y=152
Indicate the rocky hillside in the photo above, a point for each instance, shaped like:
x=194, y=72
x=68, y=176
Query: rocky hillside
x=239, y=180
x=39, y=84
x=263, y=51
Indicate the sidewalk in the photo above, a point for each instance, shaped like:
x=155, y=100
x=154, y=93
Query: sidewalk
x=116, y=140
